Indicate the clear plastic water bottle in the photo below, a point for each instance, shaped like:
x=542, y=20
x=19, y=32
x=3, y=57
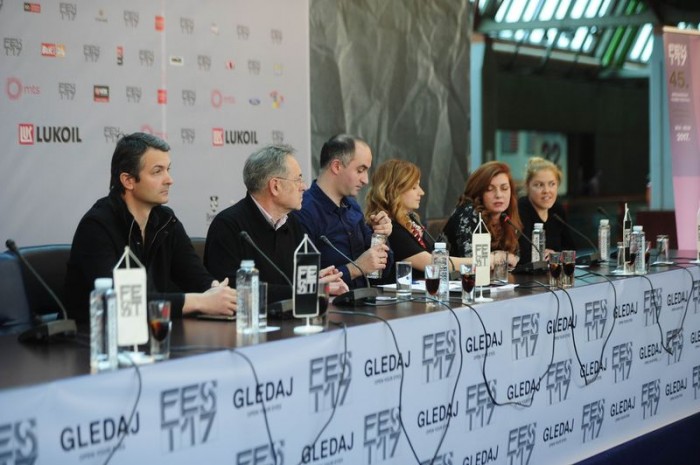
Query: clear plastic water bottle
x=247, y=284
x=103, y=327
x=637, y=245
x=604, y=240
x=441, y=257
x=538, y=242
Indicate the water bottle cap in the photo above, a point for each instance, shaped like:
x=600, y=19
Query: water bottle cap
x=539, y=225
x=440, y=245
x=637, y=228
x=103, y=283
x=247, y=263
x=604, y=222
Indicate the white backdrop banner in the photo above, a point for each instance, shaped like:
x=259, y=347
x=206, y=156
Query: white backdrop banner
x=217, y=79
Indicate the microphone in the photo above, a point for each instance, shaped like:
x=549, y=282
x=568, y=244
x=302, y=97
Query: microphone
x=413, y=217
x=43, y=331
x=532, y=267
x=282, y=309
x=595, y=256
x=354, y=297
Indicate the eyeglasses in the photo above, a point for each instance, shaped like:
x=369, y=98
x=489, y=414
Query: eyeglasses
x=297, y=181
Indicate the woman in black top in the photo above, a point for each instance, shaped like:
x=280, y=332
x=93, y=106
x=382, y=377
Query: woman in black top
x=542, y=180
x=396, y=190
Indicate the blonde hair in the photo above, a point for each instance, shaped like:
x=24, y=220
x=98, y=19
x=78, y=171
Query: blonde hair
x=391, y=179
x=535, y=164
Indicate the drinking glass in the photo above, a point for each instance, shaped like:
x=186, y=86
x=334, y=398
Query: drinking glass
x=555, y=269
x=160, y=324
x=568, y=260
x=432, y=281
x=404, y=277
x=468, y=280
x=262, y=311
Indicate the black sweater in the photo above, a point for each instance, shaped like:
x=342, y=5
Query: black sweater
x=225, y=249
x=557, y=236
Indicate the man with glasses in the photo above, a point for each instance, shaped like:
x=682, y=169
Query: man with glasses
x=275, y=187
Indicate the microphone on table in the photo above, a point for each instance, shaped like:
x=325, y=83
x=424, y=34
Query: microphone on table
x=281, y=310
x=354, y=297
x=43, y=331
x=532, y=267
x=595, y=256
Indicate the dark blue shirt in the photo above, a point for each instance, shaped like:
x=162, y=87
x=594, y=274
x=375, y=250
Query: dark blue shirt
x=343, y=225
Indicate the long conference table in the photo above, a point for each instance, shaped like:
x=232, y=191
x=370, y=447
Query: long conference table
x=537, y=376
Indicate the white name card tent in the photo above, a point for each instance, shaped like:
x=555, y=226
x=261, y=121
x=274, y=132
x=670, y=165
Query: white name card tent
x=131, y=290
x=481, y=258
x=307, y=266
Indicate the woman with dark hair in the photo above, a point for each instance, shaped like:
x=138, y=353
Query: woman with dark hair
x=490, y=190
x=542, y=180
x=396, y=190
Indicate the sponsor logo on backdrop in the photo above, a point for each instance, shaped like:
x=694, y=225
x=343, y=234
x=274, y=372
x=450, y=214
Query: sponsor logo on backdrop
x=277, y=99
x=695, y=337
x=112, y=134
x=162, y=96
x=242, y=32
x=558, y=432
x=254, y=67
x=254, y=101
x=213, y=207
x=30, y=134
x=562, y=326
x=674, y=343
x=652, y=305
x=481, y=456
x=120, y=55
x=13, y=46
x=589, y=370
x=480, y=408
x=596, y=312
x=148, y=129
x=623, y=408
x=696, y=381
x=626, y=311
x=382, y=432
x=160, y=23
x=269, y=393
x=696, y=294
x=131, y=18
x=524, y=335
x=66, y=90
x=177, y=61
x=387, y=367
x=677, y=54
x=522, y=388
x=14, y=88
x=558, y=381
x=329, y=380
x=186, y=25
x=278, y=69
x=32, y=7
x=483, y=342
x=53, y=50
x=439, y=353
x=218, y=99
x=592, y=417
x=230, y=65
x=678, y=300
x=233, y=137
x=133, y=94
x=650, y=352
x=622, y=356
x=430, y=417
x=147, y=57
x=91, y=53
x=188, y=415
x=189, y=97
x=521, y=442
x=329, y=447
x=101, y=434
x=187, y=135
x=276, y=36
x=651, y=393
x=675, y=388
x=277, y=137
x=19, y=440
x=262, y=454
x=101, y=16
x=443, y=458
x=100, y=93
x=68, y=11
x=204, y=62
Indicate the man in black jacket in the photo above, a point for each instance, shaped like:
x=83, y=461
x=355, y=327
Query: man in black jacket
x=133, y=214
x=275, y=187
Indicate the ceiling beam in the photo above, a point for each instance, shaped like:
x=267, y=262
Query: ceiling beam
x=639, y=19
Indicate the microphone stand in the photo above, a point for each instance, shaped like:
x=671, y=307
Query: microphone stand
x=526, y=268
x=595, y=256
